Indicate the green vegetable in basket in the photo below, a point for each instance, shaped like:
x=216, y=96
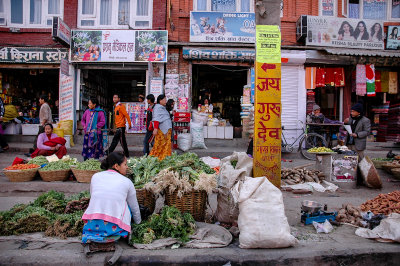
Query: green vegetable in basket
x=91, y=164
x=169, y=223
x=143, y=169
x=39, y=160
x=56, y=166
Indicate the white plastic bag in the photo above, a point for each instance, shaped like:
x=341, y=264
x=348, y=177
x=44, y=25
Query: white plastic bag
x=262, y=220
x=325, y=227
x=199, y=117
x=184, y=141
x=196, y=130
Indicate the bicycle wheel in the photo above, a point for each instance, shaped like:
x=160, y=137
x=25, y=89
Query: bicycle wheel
x=309, y=141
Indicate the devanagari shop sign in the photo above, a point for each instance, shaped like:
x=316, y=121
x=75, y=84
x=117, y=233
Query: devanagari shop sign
x=268, y=107
x=33, y=55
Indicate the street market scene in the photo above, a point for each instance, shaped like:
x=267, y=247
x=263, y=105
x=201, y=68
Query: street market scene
x=199, y=132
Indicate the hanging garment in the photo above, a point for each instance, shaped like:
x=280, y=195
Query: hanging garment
x=330, y=76
x=385, y=81
x=393, y=83
x=370, y=74
x=361, y=80
x=378, y=85
x=339, y=77
x=311, y=73
x=320, y=77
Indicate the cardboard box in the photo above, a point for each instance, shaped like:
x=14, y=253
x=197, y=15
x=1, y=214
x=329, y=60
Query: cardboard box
x=205, y=132
x=212, y=132
x=220, y=132
x=228, y=132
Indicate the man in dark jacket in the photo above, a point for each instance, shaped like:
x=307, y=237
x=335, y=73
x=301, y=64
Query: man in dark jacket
x=360, y=127
x=149, y=116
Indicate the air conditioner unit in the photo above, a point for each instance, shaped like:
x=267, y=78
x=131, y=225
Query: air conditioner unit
x=301, y=29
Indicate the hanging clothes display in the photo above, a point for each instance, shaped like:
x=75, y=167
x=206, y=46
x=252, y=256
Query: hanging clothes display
x=393, y=83
x=378, y=85
x=385, y=81
x=320, y=77
x=339, y=77
x=370, y=74
x=361, y=80
x=330, y=76
x=311, y=73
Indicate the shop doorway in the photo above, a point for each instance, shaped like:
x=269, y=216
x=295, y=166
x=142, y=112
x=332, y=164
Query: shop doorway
x=223, y=86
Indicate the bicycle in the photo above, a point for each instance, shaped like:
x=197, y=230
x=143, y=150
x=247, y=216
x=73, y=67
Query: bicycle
x=306, y=142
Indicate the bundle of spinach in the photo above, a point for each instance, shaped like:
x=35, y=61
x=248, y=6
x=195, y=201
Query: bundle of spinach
x=143, y=169
x=169, y=223
x=55, y=166
x=91, y=164
x=52, y=201
x=39, y=160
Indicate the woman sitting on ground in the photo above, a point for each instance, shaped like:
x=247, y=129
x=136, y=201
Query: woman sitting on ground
x=48, y=143
x=112, y=199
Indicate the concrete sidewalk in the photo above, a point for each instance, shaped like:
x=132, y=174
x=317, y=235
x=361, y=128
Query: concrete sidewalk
x=341, y=247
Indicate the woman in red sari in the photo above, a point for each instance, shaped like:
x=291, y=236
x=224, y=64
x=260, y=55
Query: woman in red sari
x=49, y=143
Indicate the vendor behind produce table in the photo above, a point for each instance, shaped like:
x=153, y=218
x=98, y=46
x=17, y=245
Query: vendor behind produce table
x=162, y=129
x=49, y=143
x=316, y=117
x=93, y=121
x=360, y=127
x=112, y=199
x=207, y=107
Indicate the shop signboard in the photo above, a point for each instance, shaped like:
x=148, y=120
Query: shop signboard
x=119, y=46
x=393, y=39
x=220, y=54
x=345, y=32
x=34, y=55
x=222, y=27
x=156, y=86
x=66, y=98
x=61, y=30
x=268, y=107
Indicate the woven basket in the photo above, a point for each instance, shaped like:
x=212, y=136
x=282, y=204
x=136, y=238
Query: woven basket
x=389, y=166
x=193, y=202
x=378, y=163
x=146, y=198
x=83, y=176
x=21, y=175
x=58, y=175
x=396, y=173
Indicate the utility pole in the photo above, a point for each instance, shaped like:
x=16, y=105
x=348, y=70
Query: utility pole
x=267, y=106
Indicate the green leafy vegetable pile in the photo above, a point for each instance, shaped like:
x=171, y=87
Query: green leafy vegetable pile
x=39, y=160
x=55, y=166
x=91, y=164
x=234, y=163
x=51, y=212
x=143, y=169
x=169, y=223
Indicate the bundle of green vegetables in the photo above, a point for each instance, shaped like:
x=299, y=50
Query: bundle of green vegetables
x=169, y=223
x=183, y=173
x=143, y=169
x=69, y=160
x=39, y=160
x=91, y=164
x=56, y=166
x=46, y=213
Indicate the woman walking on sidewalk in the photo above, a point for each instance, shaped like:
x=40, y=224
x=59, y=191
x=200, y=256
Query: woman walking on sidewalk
x=162, y=129
x=93, y=121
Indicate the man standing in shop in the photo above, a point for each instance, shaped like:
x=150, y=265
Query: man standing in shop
x=120, y=116
x=149, y=116
x=44, y=117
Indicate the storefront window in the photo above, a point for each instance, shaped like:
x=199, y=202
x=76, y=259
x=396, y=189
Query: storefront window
x=87, y=7
x=105, y=12
x=224, y=5
x=142, y=8
x=2, y=15
x=54, y=7
x=17, y=8
x=374, y=9
x=328, y=7
x=123, y=12
x=201, y=5
x=395, y=9
x=35, y=12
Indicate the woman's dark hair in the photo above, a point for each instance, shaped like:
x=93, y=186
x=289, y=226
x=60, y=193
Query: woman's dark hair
x=160, y=97
x=151, y=98
x=341, y=30
x=44, y=97
x=48, y=124
x=209, y=102
x=94, y=101
x=365, y=35
x=394, y=36
x=170, y=105
x=379, y=34
x=112, y=159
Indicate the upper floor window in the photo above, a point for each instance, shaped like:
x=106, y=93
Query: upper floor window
x=115, y=14
x=373, y=9
x=224, y=5
x=328, y=8
x=30, y=13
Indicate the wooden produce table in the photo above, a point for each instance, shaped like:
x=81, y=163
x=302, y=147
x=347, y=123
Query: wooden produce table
x=330, y=129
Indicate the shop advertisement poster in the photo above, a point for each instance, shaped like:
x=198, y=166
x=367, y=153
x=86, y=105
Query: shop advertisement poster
x=222, y=27
x=66, y=98
x=268, y=107
x=172, y=86
x=119, y=46
x=393, y=39
x=345, y=32
x=137, y=114
x=156, y=86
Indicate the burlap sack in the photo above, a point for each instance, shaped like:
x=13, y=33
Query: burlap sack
x=369, y=174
